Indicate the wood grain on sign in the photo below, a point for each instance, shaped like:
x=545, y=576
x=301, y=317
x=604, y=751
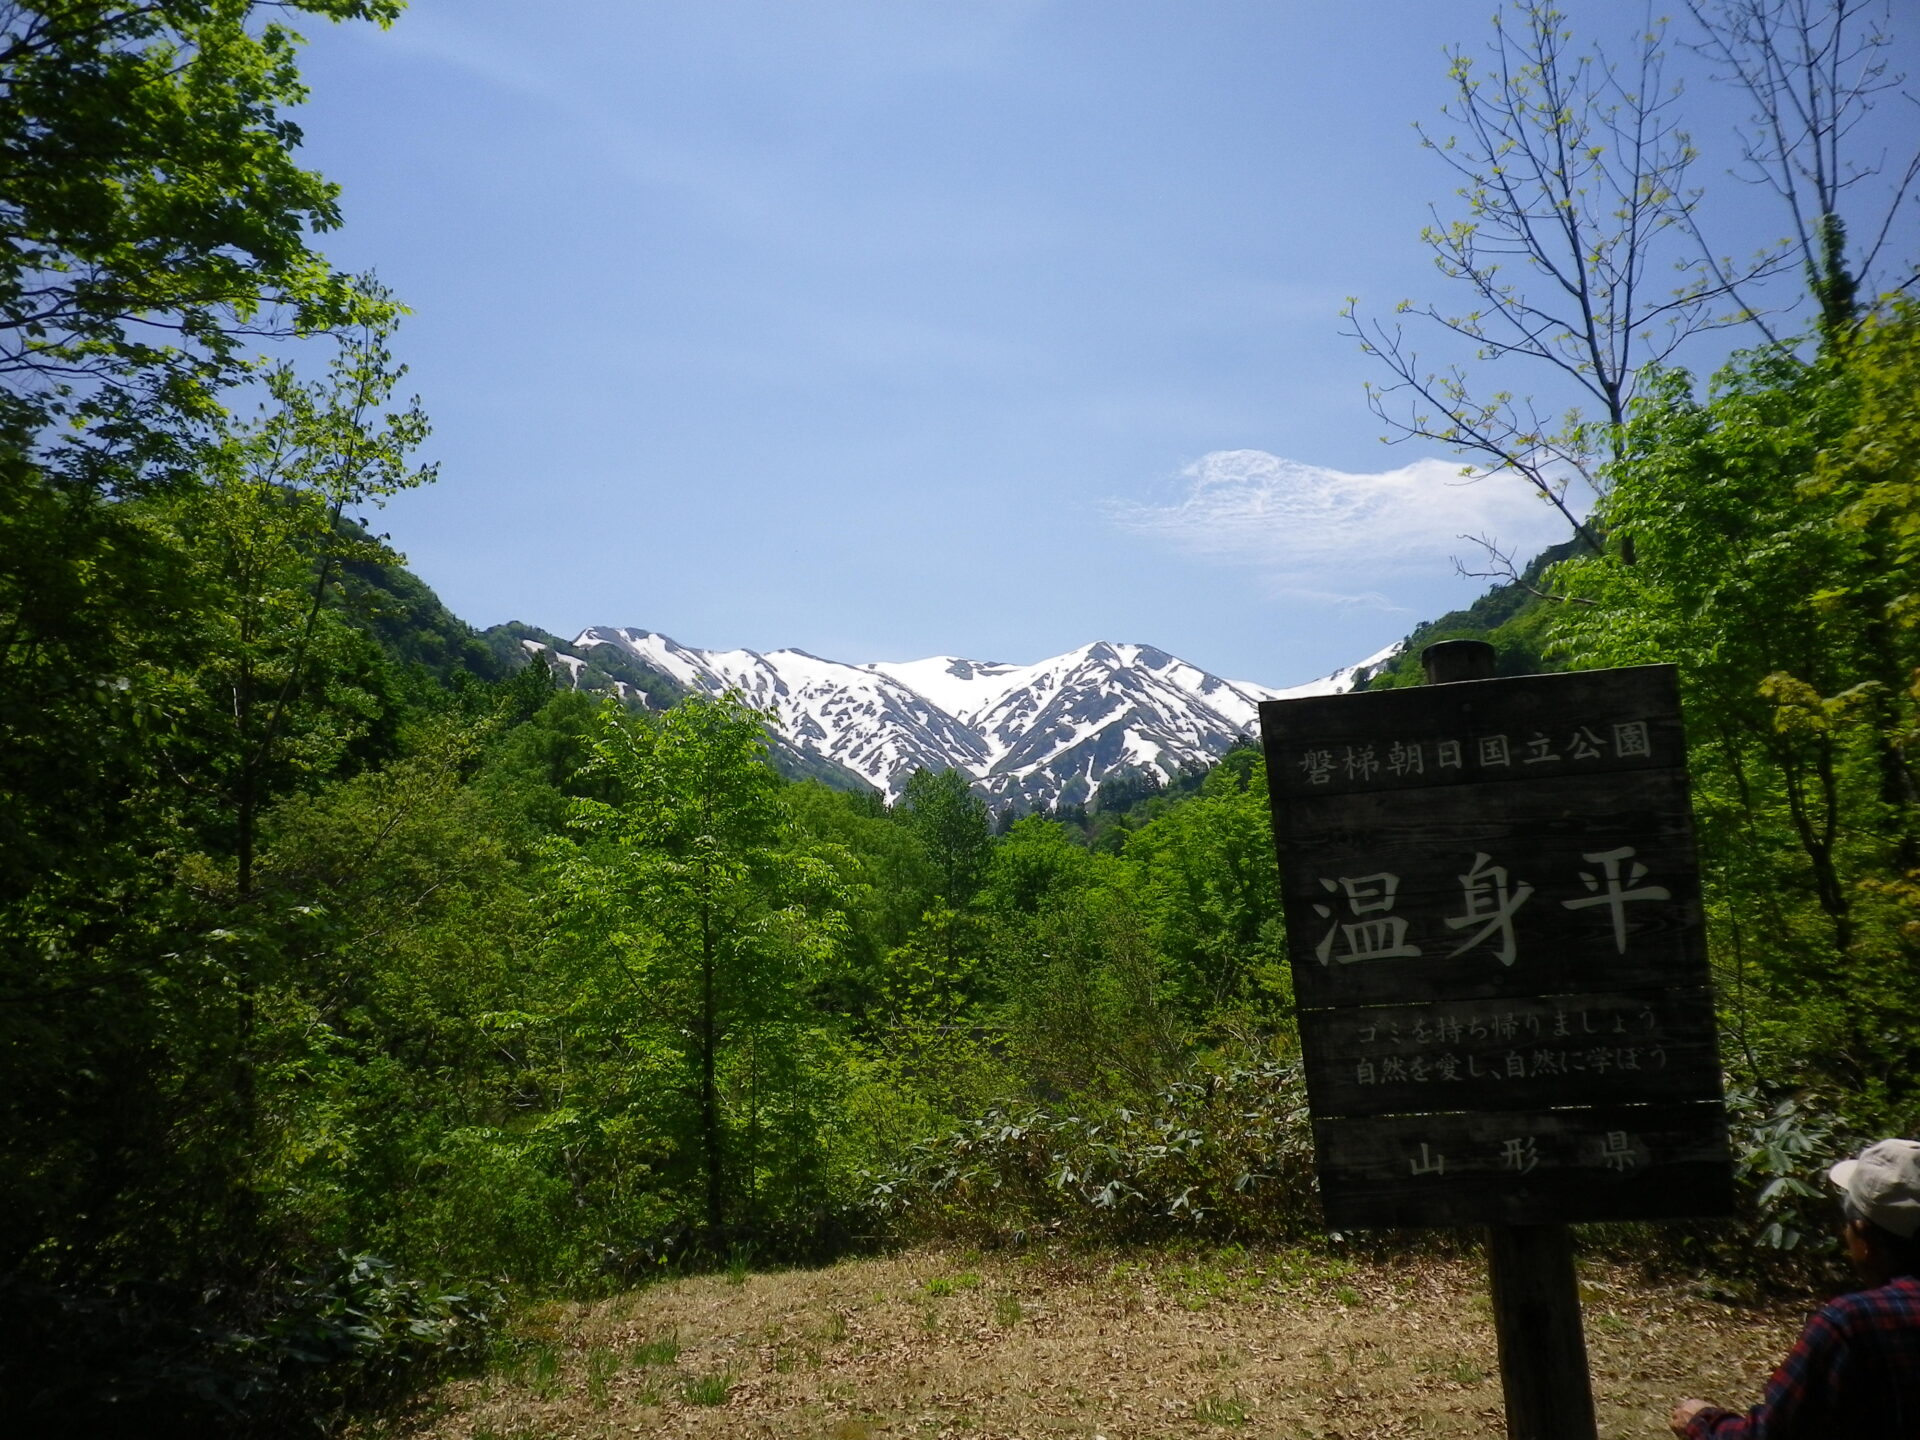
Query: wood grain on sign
x=1528, y=1054
x=1418, y=816
x=1636, y=1162
x=1494, y=923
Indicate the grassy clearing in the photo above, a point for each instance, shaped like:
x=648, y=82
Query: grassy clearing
x=931, y=1345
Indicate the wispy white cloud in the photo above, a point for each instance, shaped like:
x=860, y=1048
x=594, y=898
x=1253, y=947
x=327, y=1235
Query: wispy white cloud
x=1338, y=538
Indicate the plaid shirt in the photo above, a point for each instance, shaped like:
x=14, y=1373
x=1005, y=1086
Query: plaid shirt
x=1854, y=1371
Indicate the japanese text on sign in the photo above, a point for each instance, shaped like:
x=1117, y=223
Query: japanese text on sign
x=1495, y=933
x=1490, y=899
x=1399, y=759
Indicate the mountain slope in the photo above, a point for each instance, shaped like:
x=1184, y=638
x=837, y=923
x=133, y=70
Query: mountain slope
x=1030, y=736
x=1512, y=616
x=871, y=724
x=599, y=666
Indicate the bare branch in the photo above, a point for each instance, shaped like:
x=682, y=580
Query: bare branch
x=1813, y=70
x=1572, y=170
x=1500, y=567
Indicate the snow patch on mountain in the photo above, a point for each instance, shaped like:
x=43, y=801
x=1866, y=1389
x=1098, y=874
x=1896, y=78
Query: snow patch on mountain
x=1343, y=679
x=1032, y=736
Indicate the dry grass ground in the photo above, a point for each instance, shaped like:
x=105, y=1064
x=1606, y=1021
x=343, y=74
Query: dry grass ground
x=931, y=1344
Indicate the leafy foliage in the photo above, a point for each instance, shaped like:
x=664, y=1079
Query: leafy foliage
x=155, y=219
x=1754, y=577
x=693, y=932
x=363, y=1328
x=1221, y=1155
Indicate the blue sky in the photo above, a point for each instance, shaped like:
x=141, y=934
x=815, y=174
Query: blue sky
x=888, y=328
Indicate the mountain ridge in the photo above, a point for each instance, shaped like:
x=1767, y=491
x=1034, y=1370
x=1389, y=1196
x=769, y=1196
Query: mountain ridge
x=1028, y=737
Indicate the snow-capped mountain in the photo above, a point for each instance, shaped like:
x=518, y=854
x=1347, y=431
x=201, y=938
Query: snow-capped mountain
x=1032, y=735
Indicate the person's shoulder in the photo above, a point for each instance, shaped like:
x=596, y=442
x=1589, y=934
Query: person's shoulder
x=1897, y=1303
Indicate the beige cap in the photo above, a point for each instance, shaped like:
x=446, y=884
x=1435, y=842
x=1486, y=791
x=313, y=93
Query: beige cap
x=1883, y=1182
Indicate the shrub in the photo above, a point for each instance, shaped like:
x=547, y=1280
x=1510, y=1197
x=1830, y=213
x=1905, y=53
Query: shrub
x=360, y=1329
x=153, y=1361
x=1217, y=1156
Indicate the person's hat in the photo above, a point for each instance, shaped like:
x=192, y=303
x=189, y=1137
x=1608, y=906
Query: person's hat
x=1883, y=1182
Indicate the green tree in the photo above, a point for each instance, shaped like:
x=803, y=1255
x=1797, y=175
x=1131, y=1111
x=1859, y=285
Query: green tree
x=1033, y=866
x=155, y=221
x=270, y=534
x=951, y=820
x=1208, y=884
x=707, y=927
x=153, y=226
x=1770, y=573
x=1081, y=996
x=396, y=1035
x=1870, y=481
x=1086, y=1011
x=890, y=884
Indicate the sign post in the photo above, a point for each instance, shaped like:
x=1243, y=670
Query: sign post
x=1494, y=927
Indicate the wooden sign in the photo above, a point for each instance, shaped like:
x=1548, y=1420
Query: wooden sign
x=1493, y=917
